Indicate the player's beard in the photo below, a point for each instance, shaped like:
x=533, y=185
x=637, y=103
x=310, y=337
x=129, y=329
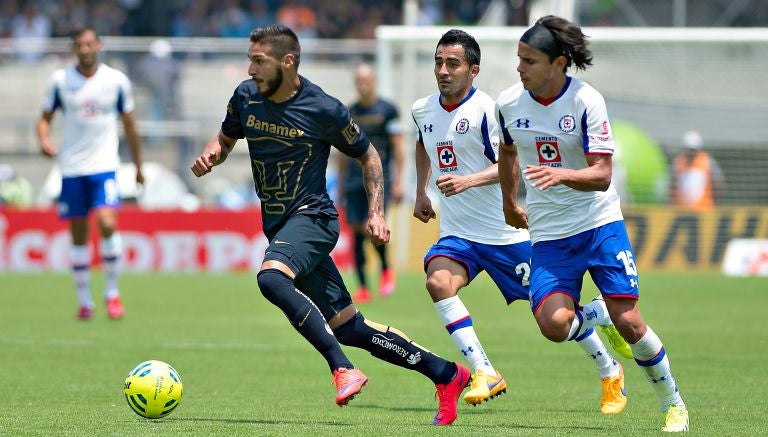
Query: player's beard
x=272, y=84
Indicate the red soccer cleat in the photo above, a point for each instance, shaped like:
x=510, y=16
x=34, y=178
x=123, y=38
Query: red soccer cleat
x=84, y=313
x=387, y=282
x=115, y=309
x=448, y=395
x=362, y=295
x=349, y=382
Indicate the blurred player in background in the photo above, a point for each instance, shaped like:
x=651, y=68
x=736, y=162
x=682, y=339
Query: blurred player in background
x=378, y=118
x=290, y=125
x=697, y=181
x=555, y=129
x=91, y=96
x=457, y=150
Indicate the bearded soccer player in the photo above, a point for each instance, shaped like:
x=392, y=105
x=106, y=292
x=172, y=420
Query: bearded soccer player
x=290, y=125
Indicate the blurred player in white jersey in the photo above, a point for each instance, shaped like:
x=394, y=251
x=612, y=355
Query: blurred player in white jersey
x=91, y=96
x=457, y=150
x=555, y=129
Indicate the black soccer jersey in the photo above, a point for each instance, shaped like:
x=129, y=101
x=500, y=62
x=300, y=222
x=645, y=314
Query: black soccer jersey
x=377, y=122
x=289, y=144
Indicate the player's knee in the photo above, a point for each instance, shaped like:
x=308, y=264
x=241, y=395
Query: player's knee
x=439, y=288
x=272, y=283
x=353, y=331
x=552, y=329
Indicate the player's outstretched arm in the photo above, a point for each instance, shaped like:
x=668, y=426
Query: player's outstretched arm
x=451, y=185
x=214, y=154
x=134, y=142
x=44, y=134
x=373, y=178
x=509, y=178
x=422, y=207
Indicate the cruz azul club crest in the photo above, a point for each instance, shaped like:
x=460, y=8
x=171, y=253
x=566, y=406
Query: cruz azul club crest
x=549, y=153
x=446, y=157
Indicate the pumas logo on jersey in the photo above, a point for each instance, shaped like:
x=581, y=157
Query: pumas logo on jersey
x=446, y=157
x=351, y=132
x=462, y=126
x=567, y=123
x=549, y=152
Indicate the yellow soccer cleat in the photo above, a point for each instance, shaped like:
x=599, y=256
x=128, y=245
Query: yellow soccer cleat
x=676, y=419
x=485, y=387
x=614, y=396
x=615, y=339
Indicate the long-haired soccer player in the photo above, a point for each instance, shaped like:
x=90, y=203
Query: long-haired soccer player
x=458, y=140
x=555, y=130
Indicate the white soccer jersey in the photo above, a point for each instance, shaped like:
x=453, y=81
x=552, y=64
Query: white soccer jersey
x=90, y=107
x=560, y=135
x=465, y=141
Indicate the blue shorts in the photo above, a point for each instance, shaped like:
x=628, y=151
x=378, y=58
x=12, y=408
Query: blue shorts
x=507, y=265
x=80, y=194
x=558, y=266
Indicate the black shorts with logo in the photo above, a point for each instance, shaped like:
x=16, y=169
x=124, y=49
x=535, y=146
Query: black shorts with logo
x=304, y=244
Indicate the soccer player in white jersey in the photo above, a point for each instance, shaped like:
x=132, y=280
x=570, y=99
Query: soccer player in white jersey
x=91, y=96
x=457, y=151
x=555, y=130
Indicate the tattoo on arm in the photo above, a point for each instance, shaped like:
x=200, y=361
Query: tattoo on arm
x=373, y=175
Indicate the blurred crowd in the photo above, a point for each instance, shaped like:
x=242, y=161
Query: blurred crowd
x=229, y=18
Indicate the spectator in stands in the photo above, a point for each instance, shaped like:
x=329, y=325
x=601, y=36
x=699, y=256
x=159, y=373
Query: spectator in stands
x=31, y=30
x=232, y=21
x=697, y=182
x=259, y=14
x=299, y=17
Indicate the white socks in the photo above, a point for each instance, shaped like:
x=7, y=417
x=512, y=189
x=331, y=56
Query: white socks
x=650, y=355
x=80, y=258
x=111, y=251
x=457, y=321
x=591, y=314
x=596, y=350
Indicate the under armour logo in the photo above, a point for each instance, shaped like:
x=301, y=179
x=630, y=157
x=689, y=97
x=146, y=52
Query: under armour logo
x=427, y=128
x=595, y=355
x=656, y=381
x=633, y=282
x=467, y=351
x=522, y=122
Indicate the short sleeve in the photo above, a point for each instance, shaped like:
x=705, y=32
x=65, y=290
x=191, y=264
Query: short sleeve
x=126, y=103
x=598, y=137
x=52, y=98
x=343, y=132
x=232, y=126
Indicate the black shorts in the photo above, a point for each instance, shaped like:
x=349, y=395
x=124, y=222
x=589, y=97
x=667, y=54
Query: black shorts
x=304, y=244
x=356, y=205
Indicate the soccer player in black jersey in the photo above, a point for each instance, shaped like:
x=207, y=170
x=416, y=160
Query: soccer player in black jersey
x=380, y=121
x=290, y=125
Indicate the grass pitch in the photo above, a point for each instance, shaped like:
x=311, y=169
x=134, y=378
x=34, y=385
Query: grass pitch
x=246, y=372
